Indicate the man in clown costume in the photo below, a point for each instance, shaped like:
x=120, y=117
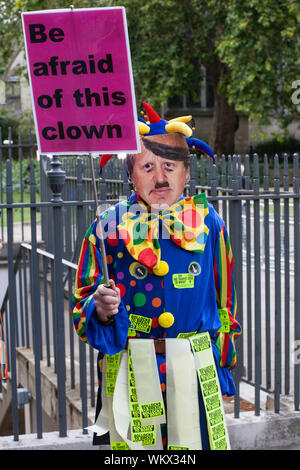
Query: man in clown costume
x=166, y=325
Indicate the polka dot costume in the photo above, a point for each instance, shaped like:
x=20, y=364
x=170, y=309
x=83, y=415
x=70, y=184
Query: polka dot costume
x=152, y=304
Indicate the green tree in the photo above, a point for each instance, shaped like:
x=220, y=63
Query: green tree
x=250, y=50
x=261, y=45
x=10, y=32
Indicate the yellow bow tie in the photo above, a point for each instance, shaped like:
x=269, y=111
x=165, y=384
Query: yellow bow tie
x=184, y=222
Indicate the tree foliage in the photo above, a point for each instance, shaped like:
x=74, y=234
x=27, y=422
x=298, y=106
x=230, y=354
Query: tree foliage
x=169, y=40
x=260, y=44
x=10, y=32
x=250, y=49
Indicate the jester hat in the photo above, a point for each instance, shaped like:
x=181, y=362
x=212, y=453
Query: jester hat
x=155, y=125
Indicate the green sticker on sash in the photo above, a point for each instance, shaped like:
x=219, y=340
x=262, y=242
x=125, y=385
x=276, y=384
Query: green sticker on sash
x=140, y=323
x=187, y=335
x=112, y=369
x=146, y=438
x=216, y=416
x=211, y=392
x=221, y=444
x=218, y=431
x=152, y=410
x=207, y=373
x=137, y=427
x=210, y=387
x=183, y=281
x=144, y=434
x=200, y=343
x=131, y=379
x=119, y=446
x=212, y=402
x=178, y=448
x=224, y=318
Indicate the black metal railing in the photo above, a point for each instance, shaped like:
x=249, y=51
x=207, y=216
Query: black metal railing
x=258, y=198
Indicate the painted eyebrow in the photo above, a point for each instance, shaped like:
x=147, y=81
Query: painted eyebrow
x=166, y=151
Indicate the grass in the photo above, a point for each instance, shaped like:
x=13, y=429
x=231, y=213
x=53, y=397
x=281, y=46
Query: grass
x=20, y=182
x=20, y=214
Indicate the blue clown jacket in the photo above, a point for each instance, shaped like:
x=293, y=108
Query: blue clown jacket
x=145, y=296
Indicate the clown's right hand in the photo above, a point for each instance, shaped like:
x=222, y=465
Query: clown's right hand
x=107, y=301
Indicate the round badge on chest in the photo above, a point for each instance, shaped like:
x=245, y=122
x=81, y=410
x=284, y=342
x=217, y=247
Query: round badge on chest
x=139, y=271
x=194, y=268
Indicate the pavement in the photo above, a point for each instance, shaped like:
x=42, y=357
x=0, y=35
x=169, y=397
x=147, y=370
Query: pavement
x=268, y=431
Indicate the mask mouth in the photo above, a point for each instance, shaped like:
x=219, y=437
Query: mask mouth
x=162, y=185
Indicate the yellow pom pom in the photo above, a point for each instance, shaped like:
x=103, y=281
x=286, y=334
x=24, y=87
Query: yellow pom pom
x=162, y=269
x=180, y=127
x=166, y=319
x=143, y=128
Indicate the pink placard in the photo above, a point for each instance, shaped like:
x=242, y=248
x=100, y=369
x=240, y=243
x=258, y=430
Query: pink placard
x=81, y=80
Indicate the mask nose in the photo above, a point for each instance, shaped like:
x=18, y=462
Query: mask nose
x=160, y=177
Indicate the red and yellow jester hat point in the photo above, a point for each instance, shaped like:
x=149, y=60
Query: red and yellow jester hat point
x=155, y=125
